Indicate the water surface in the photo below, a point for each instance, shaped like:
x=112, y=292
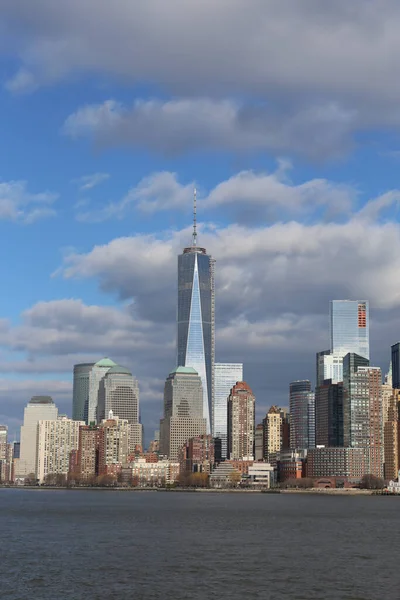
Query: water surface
x=110, y=545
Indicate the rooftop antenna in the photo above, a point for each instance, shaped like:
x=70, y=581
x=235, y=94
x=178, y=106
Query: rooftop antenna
x=194, y=239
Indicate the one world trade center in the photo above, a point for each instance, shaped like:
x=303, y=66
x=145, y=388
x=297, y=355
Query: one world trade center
x=196, y=316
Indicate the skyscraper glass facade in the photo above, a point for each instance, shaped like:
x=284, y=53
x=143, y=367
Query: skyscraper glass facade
x=349, y=324
x=196, y=319
x=302, y=415
x=80, y=392
x=225, y=377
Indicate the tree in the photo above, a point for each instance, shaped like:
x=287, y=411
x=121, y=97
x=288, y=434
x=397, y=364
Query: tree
x=372, y=482
x=30, y=479
x=234, y=478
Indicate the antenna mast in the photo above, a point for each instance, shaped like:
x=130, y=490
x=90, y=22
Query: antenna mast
x=194, y=238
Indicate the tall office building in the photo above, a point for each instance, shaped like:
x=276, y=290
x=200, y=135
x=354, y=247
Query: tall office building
x=38, y=409
x=349, y=332
x=362, y=410
x=119, y=392
x=96, y=374
x=349, y=321
x=241, y=422
x=56, y=439
x=183, y=411
x=329, y=414
x=302, y=415
x=395, y=366
x=225, y=377
x=196, y=317
x=80, y=391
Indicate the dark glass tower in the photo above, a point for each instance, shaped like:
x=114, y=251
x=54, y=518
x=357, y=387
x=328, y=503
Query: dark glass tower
x=196, y=317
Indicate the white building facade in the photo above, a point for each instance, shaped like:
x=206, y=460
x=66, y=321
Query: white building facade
x=39, y=408
x=55, y=442
x=226, y=375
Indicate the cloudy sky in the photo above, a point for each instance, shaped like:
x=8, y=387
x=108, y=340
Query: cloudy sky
x=285, y=115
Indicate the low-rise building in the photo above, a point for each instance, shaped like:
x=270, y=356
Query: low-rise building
x=157, y=474
x=197, y=455
x=262, y=474
x=292, y=465
x=225, y=476
x=336, y=462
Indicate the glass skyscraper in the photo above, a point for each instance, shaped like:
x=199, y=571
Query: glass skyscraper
x=226, y=375
x=349, y=333
x=302, y=415
x=196, y=319
x=349, y=320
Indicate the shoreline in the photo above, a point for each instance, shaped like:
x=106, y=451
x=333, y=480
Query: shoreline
x=310, y=491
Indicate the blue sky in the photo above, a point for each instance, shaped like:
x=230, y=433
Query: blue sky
x=285, y=116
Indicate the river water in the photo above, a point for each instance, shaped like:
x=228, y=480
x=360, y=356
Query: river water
x=110, y=545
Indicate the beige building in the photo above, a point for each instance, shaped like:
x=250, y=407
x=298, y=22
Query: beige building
x=391, y=435
x=114, y=436
x=241, y=425
x=163, y=472
x=183, y=411
x=55, y=441
x=272, y=434
x=39, y=408
x=119, y=392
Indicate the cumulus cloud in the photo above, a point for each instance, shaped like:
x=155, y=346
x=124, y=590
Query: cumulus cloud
x=19, y=205
x=248, y=195
x=180, y=126
x=303, y=76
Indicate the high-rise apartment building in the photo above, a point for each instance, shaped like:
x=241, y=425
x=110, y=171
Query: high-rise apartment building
x=272, y=434
x=183, y=411
x=391, y=435
x=56, y=439
x=196, y=318
x=113, y=445
x=329, y=414
x=88, y=452
x=302, y=415
x=3, y=442
x=225, y=377
x=80, y=391
x=39, y=408
x=119, y=392
x=241, y=422
x=362, y=410
x=197, y=455
x=96, y=374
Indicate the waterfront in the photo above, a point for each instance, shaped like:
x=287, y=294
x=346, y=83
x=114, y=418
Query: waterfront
x=96, y=546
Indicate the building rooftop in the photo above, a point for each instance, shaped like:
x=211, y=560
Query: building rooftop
x=119, y=370
x=106, y=362
x=41, y=400
x=184, y=370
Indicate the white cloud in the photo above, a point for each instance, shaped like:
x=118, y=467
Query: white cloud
x=88, y=182
x=260, y=51
x=178, y=126
x=249, y=195
x=19, y=205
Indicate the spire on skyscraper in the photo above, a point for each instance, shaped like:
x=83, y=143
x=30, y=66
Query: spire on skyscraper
x=194, y=237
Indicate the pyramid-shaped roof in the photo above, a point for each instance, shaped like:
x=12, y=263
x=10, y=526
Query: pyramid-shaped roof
x=106, y=362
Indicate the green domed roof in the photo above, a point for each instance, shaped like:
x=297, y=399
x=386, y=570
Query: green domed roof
x=120, y=370
x=186, y=370
x=106, y=362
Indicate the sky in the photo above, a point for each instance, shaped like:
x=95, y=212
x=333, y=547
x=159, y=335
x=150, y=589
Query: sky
x=285, y=116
